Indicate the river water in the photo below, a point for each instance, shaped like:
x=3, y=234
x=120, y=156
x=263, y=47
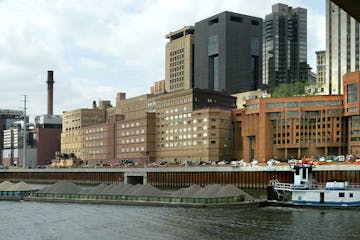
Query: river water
x=48, y=221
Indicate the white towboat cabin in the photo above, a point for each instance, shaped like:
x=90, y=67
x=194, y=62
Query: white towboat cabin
x=305, y=191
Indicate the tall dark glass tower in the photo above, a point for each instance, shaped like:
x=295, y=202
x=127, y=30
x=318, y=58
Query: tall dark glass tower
x=228, y=53
x=284, y=46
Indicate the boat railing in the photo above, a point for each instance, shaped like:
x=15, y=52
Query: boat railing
x=353, y=186
x=281, y=186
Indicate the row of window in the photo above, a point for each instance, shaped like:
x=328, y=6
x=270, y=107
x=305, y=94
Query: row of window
x=177, y=63
x=173, y=53
x=133, y=124
x=178, y=79
x=171, y=131
x=189, y=136
x=95, y=144
x=130, y=133
x=94, y=130
x=304, y=104
x=237, y=19
x=93, y=152
x=95, y=137
x=133, y=149
x=176, y=74
x=175, y=69
x=188, y=143
x=177, y=57
x=328, y=140
x=172, y=102
x=133, y=140
x=176, y=86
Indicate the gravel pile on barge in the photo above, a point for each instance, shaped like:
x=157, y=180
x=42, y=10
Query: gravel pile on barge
x=20, y=187
x=5, y=185
x=187, y=192
x=120, y=193
x=61, y=187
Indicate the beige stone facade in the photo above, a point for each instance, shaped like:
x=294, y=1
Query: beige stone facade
x=185, y=133
x=186, y=125
x=135, y=139
x=98, y=142
x=158, y=87
x=179, y=59
x=320, y=67
x=72, y=128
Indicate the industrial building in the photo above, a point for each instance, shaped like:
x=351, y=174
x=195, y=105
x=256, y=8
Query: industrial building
x=42, y=138
x=7, y=119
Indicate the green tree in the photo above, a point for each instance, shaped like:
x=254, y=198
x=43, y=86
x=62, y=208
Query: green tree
x=288, y=90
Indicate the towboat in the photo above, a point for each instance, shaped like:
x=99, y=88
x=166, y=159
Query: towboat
x=305, y=191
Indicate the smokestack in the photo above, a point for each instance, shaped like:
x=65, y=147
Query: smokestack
x=50, y=83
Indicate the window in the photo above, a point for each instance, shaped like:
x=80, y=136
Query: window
x=352, y=95
x=236, y=19
x=341, y=194
x=213, y=45
x=254, y=22
x=213, y=21
x=351, y=195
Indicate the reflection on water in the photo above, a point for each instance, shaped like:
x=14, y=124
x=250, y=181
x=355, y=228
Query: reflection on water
x=32, y=220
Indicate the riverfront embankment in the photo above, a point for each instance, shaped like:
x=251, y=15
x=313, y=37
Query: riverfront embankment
x=178, y=177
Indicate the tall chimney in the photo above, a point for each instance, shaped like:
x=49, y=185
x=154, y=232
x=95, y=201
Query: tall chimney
x=50, y=83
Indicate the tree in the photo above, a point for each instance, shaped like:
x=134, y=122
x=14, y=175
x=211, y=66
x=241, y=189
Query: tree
x=291, y=89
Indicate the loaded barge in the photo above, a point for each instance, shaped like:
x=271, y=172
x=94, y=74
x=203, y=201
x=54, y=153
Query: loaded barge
x=147, y=195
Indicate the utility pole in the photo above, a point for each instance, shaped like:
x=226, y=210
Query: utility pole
x=24, y=138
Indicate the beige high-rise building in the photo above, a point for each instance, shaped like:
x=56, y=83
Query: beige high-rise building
x=342, y=46
x=179, y=59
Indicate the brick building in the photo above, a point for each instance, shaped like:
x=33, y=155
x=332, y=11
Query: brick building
x=300, y=126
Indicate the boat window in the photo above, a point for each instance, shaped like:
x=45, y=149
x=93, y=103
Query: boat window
x=351, y=195
x=341, y=194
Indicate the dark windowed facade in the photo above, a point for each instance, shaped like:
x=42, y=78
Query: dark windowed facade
x=228, y=53
x=284, y=46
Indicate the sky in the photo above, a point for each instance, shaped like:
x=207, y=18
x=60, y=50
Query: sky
x=97, y=48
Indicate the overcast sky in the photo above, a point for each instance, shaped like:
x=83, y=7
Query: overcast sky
x=100, y=47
